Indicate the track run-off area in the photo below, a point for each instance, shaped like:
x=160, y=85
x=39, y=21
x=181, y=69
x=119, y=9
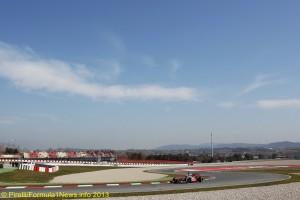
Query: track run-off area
x=217, y=175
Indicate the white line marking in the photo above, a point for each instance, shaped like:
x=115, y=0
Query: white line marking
x=112, y=184
x=210, y=178
x=135, y=184
x=85, y=185
x=53, y=186
x=155, y=183
x=15, y=187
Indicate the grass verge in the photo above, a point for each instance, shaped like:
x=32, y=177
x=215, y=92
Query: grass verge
x=31, y=177
x=5, y=170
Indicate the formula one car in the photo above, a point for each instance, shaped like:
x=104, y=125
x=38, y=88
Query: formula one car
x=189, y=178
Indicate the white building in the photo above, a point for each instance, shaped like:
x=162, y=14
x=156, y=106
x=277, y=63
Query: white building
x=62, y=154
x=43, y=154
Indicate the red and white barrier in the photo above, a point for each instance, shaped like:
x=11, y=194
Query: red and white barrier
x=38, y=168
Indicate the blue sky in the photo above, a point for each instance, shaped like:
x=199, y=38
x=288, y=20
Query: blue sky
x=140, y=74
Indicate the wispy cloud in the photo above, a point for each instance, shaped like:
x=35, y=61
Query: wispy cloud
x=7, y=121
x=259, y=81
x=116, y=42
x=279, y=103
x=28, y=71
x=175, y=65
x=227, y=104
x=34, y=116
x=108, y=70
x=171, y=66
x=149, y=61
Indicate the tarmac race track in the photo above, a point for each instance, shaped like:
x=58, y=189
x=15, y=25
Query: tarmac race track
x=217, y=179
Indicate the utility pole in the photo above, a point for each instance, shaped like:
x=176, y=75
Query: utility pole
x=211, y=145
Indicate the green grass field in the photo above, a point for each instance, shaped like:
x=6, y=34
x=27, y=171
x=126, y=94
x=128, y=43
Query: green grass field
x=24, y=176
x=4, y=170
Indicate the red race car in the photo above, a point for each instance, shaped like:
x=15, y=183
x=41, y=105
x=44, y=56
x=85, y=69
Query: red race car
x=189, y=178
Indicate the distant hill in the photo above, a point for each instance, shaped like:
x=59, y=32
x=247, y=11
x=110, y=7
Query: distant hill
x=283, y=145
x=275, y=145
x=180, y=147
